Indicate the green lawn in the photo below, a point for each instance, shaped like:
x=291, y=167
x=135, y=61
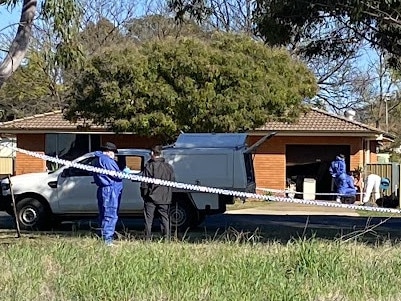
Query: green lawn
x=51, y=267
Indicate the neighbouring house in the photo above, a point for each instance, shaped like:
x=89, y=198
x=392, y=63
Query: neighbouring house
x=299, y=150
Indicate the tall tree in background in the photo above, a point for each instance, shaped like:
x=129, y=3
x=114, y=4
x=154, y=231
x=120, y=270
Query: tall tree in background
x=377, y=92
x=327, y=42
x=62, y=14
x=29, y=91
x=229, y=83
x=375, y=21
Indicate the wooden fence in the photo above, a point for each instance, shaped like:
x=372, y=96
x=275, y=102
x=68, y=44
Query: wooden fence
x=6, y=166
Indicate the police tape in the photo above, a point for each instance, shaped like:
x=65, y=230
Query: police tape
x=205, y=189
x=289, y=191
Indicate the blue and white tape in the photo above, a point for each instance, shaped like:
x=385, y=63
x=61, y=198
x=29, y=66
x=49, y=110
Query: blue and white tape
x=192, y=187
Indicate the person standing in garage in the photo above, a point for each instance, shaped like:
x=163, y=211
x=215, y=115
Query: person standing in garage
x=338, y=171
x=108, y=192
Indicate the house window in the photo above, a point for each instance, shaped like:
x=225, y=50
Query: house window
x=69, y=146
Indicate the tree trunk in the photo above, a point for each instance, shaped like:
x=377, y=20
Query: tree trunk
x=19, y=46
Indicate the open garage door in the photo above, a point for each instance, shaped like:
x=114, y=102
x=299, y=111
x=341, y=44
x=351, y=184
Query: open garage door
x=313, y=161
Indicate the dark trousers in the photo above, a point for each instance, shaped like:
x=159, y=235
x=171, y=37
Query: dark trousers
x=163, y=211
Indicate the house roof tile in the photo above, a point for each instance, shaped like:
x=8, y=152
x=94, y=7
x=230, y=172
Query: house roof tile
x=314, y=120
x=47, y=121
x=317, y=120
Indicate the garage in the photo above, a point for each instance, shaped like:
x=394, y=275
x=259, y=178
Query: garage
x=313, y=161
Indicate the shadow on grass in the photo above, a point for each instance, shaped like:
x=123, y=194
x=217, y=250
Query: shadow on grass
x=241, y=228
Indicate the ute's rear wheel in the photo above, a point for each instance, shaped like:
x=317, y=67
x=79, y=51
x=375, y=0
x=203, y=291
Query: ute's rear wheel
x=182, y=216
x=32, y=215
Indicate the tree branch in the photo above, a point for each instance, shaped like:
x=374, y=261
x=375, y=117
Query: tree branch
x=19, y=46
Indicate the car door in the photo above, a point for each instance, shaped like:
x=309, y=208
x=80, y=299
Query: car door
x=77, y=190
x=131, y=200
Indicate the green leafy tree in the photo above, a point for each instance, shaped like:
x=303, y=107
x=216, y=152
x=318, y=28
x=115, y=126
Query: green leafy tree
x=345, y=23
x=157, y=26
x=30, y=90
x=63, y=16
x=226, y=84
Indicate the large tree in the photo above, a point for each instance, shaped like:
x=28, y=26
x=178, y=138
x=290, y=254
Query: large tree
x=31, y=90
x=229, y=83
x=63, y=15
x=345, y=23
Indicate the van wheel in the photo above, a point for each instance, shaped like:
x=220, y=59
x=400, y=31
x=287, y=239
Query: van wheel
x=182, y=216
x=32, y=215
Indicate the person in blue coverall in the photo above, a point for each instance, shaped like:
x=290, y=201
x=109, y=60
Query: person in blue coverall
x=347, y=190
x=338, y=172
x=108, y=192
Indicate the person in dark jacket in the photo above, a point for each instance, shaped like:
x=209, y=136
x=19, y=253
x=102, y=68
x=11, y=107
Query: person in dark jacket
x=108, y=192
x=157, y=197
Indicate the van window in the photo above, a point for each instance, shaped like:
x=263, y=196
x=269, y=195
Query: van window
x=135, y=163
x=250, y=172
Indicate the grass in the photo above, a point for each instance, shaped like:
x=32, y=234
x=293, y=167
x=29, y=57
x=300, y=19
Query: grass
x=281, y=263
x=51, y=267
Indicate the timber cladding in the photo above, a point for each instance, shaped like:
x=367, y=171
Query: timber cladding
x=270, y=158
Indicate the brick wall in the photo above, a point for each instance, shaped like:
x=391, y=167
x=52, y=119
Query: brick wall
x=25, y=163
x=36, y=142
x=129, y=141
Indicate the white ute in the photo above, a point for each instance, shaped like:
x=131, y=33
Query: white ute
x=215, y=160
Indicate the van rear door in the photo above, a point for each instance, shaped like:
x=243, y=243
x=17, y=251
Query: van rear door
x=248, y=159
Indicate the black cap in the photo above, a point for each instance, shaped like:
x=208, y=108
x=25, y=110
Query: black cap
x=109, y=147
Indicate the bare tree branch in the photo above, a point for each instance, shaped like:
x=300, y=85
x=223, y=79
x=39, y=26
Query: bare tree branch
x=20, y=44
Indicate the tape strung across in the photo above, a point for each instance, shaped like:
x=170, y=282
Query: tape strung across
x=199, y=188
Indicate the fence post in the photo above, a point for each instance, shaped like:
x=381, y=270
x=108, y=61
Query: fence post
x=14, y=207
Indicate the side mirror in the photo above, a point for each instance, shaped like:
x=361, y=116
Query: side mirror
x=65, y=173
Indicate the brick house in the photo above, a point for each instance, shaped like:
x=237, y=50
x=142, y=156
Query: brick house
x=298, y=150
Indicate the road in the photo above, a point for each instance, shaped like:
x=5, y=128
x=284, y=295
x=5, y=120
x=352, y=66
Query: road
x=266, y=227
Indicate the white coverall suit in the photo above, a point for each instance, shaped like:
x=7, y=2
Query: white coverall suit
x=372, y=184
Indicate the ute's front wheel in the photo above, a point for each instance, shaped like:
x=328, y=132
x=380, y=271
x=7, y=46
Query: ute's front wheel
x=32, y=215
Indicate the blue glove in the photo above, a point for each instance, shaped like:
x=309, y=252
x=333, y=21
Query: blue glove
x=127, y=170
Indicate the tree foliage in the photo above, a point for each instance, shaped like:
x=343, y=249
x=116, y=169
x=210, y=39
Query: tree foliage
x=229, y=83
x=158, y=26
x=63, y=16
x=345, y=22
x=29, y=91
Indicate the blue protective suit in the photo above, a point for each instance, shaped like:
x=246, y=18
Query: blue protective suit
x=348, y=189
x=108, y=196
x=337, y=167
x=338, y=172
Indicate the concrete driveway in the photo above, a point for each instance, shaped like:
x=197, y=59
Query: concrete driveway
x=283, y=208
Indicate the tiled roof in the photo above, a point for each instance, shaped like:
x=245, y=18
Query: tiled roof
x=47, y=121
x=315, y=120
